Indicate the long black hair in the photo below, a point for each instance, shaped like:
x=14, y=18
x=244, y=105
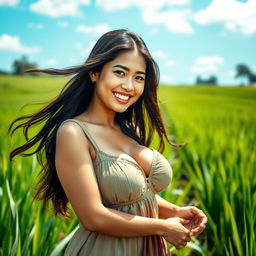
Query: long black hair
x=143, y=116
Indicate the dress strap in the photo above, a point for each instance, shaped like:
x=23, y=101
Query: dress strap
x=86, y=133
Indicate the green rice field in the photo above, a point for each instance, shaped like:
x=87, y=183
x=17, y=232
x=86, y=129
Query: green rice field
x=215, y=171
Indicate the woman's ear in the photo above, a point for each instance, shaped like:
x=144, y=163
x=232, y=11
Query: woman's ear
x=94, y=76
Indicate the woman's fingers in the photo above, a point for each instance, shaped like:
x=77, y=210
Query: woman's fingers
x=205, y=220
x=181, y=244
x=195, y=224
x=184, y=221
x=198, y=230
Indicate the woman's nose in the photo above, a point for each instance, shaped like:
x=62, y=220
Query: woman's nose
x=128, y=85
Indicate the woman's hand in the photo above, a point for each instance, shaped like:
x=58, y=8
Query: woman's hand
x=176, y=233
x=197, y=219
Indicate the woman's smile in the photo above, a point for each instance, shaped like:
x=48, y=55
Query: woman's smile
x=122, y=98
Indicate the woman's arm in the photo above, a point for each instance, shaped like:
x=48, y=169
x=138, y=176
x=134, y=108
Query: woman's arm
x=197, y=219
x=76, y=173
x=166, y=209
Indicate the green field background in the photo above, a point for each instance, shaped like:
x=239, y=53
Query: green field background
x=215, y=171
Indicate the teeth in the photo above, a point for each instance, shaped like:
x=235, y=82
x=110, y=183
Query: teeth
x=122, y=97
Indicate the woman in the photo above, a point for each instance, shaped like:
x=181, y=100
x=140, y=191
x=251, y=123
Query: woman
x=96, y=143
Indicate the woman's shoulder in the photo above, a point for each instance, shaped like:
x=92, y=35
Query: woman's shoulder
x=71, y=142
x=68, y=127
x=70, y=132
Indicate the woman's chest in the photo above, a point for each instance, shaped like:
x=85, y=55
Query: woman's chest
x=119, y=180
x=121, y=146
x=122, y=180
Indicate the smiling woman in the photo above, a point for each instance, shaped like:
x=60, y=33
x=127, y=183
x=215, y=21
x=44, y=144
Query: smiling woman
x=95, y=143
x=119, y=82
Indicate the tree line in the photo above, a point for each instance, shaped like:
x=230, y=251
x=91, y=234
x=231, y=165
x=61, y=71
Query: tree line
x=241, y=71
x=19, y=66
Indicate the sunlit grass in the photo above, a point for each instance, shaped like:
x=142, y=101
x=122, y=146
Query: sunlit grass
x=215, y=171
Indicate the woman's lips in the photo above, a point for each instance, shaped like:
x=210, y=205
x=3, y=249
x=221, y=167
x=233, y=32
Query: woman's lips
x=121, y=97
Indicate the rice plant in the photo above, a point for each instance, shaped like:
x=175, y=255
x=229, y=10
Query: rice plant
x=215, y=171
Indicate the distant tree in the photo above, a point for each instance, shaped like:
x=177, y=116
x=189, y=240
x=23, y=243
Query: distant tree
x=198, y=80
x=212, y=80
x=242, y=70
x=3, y=72
x=20, y=65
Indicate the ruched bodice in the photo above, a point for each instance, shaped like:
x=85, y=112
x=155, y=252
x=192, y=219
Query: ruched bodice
x=111, y=171
x=124, y=186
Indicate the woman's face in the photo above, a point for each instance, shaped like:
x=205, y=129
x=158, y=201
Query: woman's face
x=121, y=81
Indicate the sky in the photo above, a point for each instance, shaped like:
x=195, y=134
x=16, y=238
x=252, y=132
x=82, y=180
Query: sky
x=187, y=38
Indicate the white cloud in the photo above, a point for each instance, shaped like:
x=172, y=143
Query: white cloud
x=93, y=30
x=174, y=20
x=114, y=5
x=162, y=56
x=178, y=2
x=9, y=2
x=58, y=8
x=207, y=64
x=12, y=43
x=35, y=26
x=235, y=15
x=63, y=24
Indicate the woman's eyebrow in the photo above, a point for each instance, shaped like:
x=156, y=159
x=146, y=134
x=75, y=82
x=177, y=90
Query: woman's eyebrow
x=126, y=68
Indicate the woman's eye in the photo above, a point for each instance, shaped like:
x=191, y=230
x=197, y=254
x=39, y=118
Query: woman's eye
x=122, y=73
x=140, y=78
x=119, y=72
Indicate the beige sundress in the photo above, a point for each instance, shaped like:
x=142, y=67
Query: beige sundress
x=124, y=187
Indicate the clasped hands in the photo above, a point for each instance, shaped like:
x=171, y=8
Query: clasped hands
x=188, y=221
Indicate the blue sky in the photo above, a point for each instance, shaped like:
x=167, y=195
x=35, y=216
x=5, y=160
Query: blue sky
x=186, y=37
